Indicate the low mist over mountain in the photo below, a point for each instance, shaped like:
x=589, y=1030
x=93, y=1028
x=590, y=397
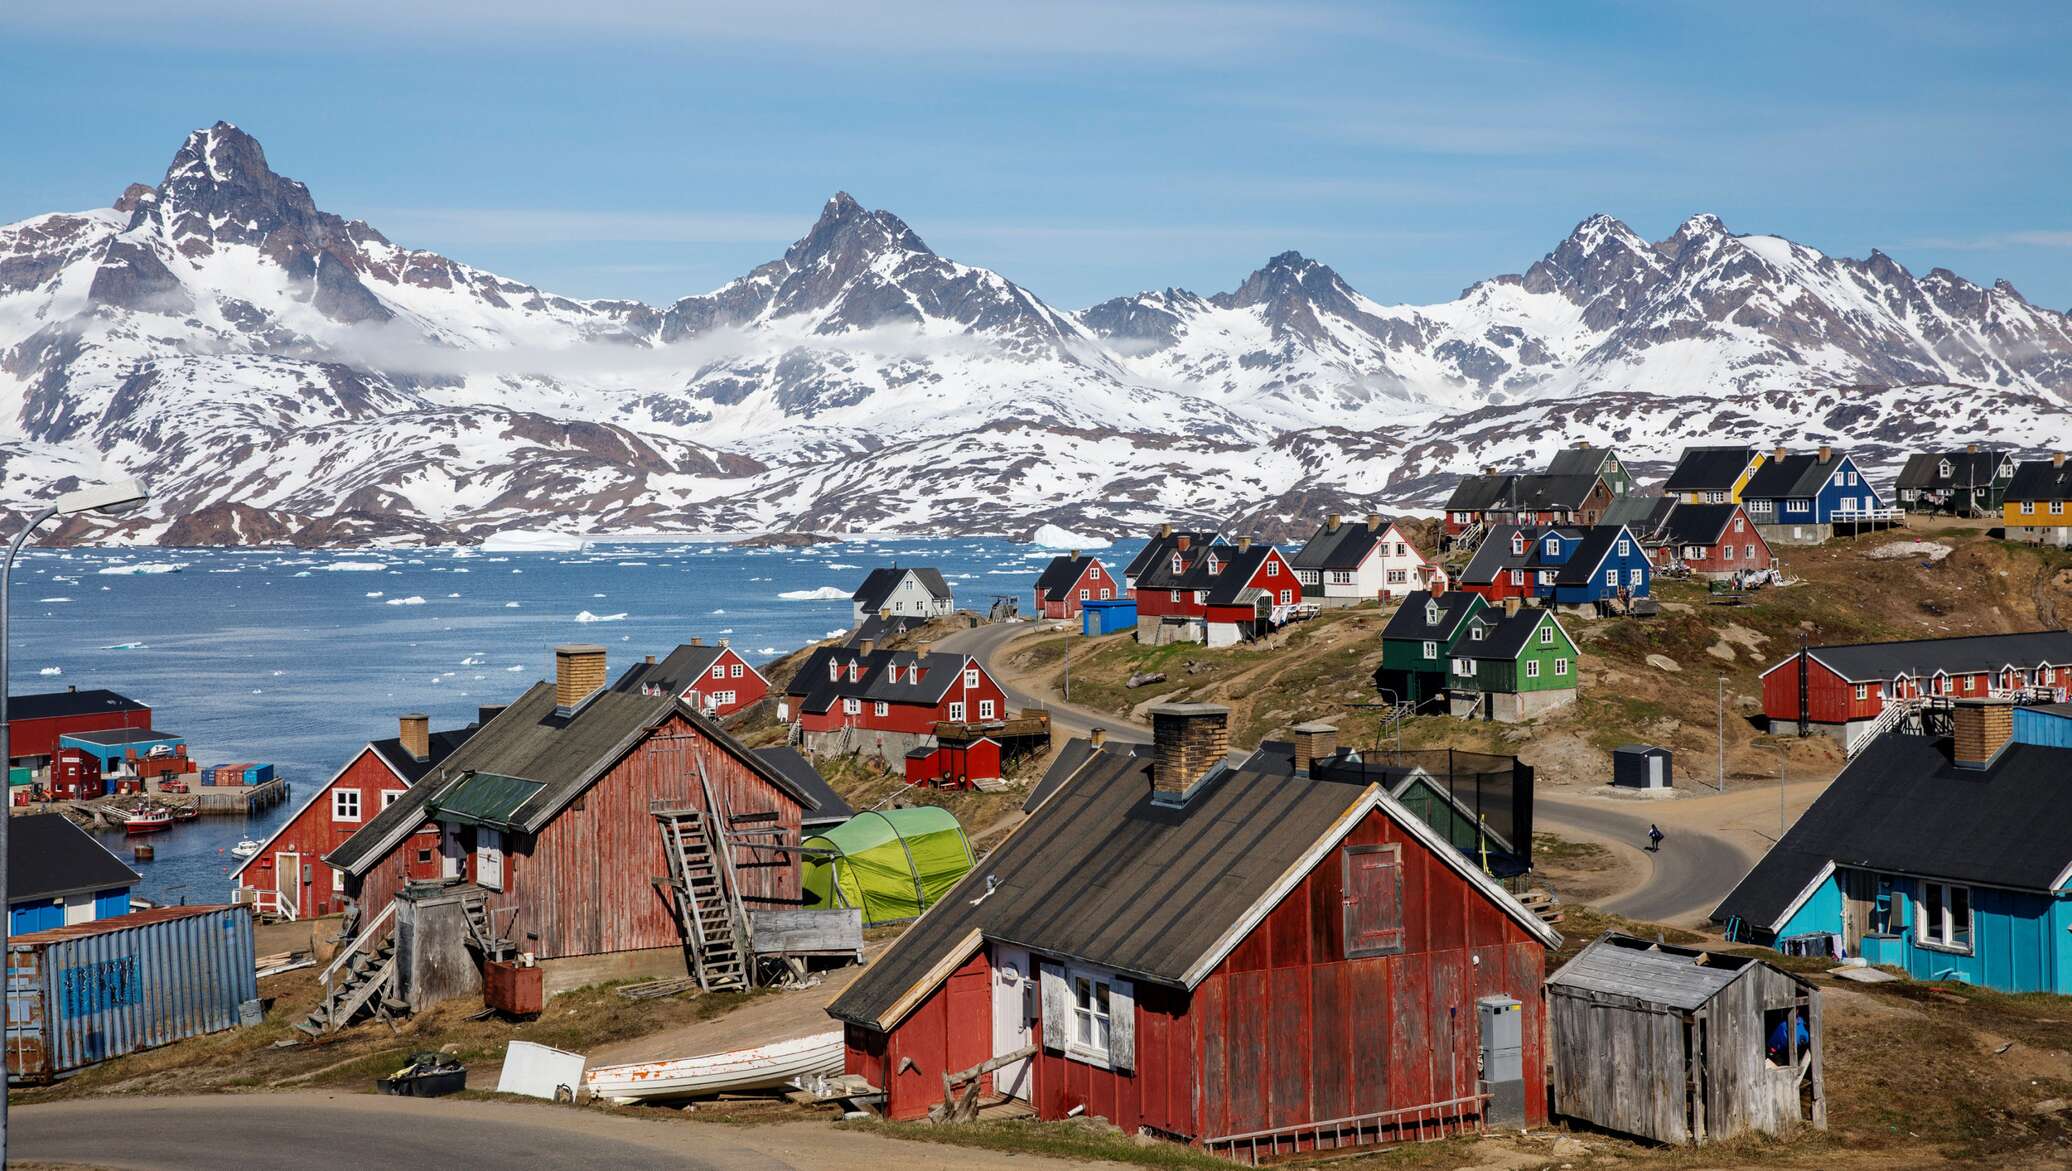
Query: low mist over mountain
x=277, y=373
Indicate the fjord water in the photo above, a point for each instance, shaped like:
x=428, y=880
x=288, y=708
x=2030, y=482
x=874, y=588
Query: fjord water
x=299, y=658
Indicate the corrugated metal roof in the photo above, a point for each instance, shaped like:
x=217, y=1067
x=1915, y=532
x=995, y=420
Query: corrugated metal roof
x=490, y=799
x=144, y=918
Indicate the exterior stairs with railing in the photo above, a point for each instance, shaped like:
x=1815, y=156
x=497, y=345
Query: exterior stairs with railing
x=707, y=902
x=361, y=979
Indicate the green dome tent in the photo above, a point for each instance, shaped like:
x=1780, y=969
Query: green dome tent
x=892, y=864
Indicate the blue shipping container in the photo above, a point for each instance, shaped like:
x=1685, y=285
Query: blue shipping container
x=258, y=774
x=1107, y=616
x=83, y=994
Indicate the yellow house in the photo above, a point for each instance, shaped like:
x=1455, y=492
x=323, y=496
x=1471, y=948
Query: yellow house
x=1713, y=475
x=2038, y=507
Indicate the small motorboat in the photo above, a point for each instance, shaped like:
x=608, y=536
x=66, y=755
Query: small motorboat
x=185, y=812
x=148, y=820
x=247, y=847
x=765, y=1067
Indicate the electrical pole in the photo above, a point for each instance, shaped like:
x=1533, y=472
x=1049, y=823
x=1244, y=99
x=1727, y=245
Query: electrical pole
x=1723, y=733
x=1782, y=756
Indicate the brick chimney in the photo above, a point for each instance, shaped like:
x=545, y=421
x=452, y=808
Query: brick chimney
x=1182, y=541
x=1244, y=544
x=1373, y=522
x=1971, y=449
x=1438, y=586
x=1165, y=531
x=1778, y=452
x=1489, y=469
x=1511, y=607
x=1332, y=522
x=865, y=647
x=1072, y=556
x=921, y=652
x=416, y=735
x=1313, y=742
x=1097, y=737
x=2057, y=460
x=648, y=660
x=1826, y=453
x=578, y=674
x=1982, y=730
x=1187, y=740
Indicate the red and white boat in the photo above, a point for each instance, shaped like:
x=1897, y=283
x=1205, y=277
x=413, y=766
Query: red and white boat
x=148, y=820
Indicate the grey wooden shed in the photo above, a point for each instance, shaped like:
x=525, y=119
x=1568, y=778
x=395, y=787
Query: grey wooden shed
x=1672, y=1044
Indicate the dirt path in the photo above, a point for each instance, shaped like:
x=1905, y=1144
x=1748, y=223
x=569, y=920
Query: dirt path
x=779, y=1016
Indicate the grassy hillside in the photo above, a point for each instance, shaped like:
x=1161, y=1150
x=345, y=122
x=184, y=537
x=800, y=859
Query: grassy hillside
x=1650, y=680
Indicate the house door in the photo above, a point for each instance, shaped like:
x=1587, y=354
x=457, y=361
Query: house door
x=287, y=885
x=489, y=857
x=452, y=856
x=1014, y=995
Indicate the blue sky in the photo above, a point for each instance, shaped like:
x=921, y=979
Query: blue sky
x=650, y=148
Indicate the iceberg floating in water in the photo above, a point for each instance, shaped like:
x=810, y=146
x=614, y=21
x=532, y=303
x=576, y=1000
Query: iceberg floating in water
x=412, y=600
x=587, y=616
x=510, y=605
x=1053, y=537
x=143, y=567
x=354, y=567
x=533, y=541
x=823, y=594
x=53, y=599
x=51, y=671
x=125, y=646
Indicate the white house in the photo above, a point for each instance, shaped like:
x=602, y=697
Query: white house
x=917, y=592
x=1343, y=564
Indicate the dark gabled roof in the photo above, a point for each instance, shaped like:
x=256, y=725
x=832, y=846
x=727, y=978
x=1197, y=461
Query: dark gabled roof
x=1877, y=661
x=1158, y=549
x=412, y=770
x=52, y=704
x=1057, y=579
x=1508, y=633
x=880, y=628
x=115, y=736
x=1548, y=491
x=48, y=857
x=678, y=669
x=1343, y=548
x=1101, y=872
x=878, y=585
x=1479, y=492
x=1234, y=570
x=1901, y=806
x=1494, y=555
x=1697, y=524
x=1579, y=461
x=1070, y=759
x=1708, y=469
x=1658, y=973
x=824, y=804
x=1589, y=553
x=882, y=675
x=1157, y=571
x=1409, y=622
x=1645, y=515
x=2040, y=479
x=531, y=740
x=1968, y=469
x=1794, y=477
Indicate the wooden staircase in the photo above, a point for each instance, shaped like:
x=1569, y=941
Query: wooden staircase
x=362, y=979
x=1541, y=903
x=707, y=903
x=482, y=933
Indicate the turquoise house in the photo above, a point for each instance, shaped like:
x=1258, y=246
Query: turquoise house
x=1949, y=858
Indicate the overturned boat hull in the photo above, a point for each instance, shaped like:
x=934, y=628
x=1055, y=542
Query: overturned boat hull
x=763, y=1067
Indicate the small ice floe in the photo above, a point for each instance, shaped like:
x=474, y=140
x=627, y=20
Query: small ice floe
x=142, y=567
x=374, y=593
x=354, y=567
x=51, y=671
x=412, y=600
x=53, y=601
x=510, y=605
x=453, y=595
x=125, y=646
x=587, y=616
x=768, y=650
x=823, y=594
x=719, y=611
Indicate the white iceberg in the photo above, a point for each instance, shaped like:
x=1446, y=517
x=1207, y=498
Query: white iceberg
x=1052, y=537
x=533, y=541
x=144, y=567
x=823, y=594
x=587, y=616
x=54, y=599
x=51, y=671
x=412, y=600
x=354, y=567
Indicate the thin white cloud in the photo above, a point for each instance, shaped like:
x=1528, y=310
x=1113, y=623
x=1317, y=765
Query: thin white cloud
x=1999, y=241
x=466, y=226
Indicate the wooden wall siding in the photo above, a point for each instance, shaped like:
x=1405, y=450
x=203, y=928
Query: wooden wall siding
x=312, y=833
x=950, y=1030
x=1629, y=1065
x=1158, y=1093
x=583, y=885
x=1291, y=1032
x=386, y=878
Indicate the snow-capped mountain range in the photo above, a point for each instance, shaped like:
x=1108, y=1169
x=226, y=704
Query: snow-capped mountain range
x=275, y=372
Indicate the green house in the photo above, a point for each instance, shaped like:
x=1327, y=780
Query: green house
x=1417, y=644
x=1512, y=664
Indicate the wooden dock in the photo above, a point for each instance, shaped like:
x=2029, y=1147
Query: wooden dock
x=238, y=800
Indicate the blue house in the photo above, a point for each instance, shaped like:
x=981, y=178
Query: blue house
x=1606, y=564
x=1807, y=498
x=111, y=748
x=59, y=875
x=1561, y=565
x=1949, y=858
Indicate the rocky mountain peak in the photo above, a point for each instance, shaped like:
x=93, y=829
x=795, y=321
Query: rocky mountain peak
x=1285, y=278
x=1602, y=265
x=1700, y=232
x=847, y=232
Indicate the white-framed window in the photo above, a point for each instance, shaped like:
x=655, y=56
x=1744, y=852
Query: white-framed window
x=1749, y=552
x=1176, y=595
x=721, y=699
x=1431, y=650
x=957, y=710
x=1611, y=578
x=1738, y=526
x=1625, y=547
x=2028, y=508
x=1517, y=544
x=719, y=670
x=1085, y=594
x=1273, y=568
x=337, y=879
x=345, y=805
x=2057, y=508
x=1104, y=593
x=1942, y=916
x=1093, y=1025
x=1532, y=668
x=735, y=671
x=1287, y=597
x=1863, y=691
x=881, y=708
x=852, y=671
x=1093, y=572
x=834, y=672
x=971, y=676
x=852, y=706
x=1517, y=577
x=1178, y=565
x=1201, y=597
x=1399, y=577
x=1476, y=632
x=1759, y=506
x=1553, y=546
x=1726, y=552
x=1546, y=577
x=388, y=797
x=1968, y=681
x=1635, y=576
x=1546, y=636
x=1463, y=667
x=1561, y=666
x=1431, y=614
x=985, y=709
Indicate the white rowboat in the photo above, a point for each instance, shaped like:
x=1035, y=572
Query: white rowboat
x=764, y=1067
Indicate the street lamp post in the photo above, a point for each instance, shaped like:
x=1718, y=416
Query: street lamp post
x=117, y=497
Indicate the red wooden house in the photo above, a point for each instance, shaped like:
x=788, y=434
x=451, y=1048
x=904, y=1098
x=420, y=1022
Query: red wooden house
x=886, y=703
x=547, y=810
x=714, y=679
x=1256, y=963
x=1069, y=580
x=1217, y=594
x=1711, y=540
x=74, y=776
x=288, y=877
x=34, y=722
x=1846, y=688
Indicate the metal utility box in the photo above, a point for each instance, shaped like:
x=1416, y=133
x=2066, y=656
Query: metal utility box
x=80, y=995
x=1503, y=1059
x=1641, y=766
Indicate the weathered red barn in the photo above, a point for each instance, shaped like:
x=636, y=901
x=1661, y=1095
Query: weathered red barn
x=288, y=878
x=1258, y=964
x=954, y=764
x=715, y=679
x=1223, y=595
x=34, y=722
x=1711, y=540
x=1846, y=688
x=886, y=703
x=549, y=811
x=1070, y=580
x=75, y=776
